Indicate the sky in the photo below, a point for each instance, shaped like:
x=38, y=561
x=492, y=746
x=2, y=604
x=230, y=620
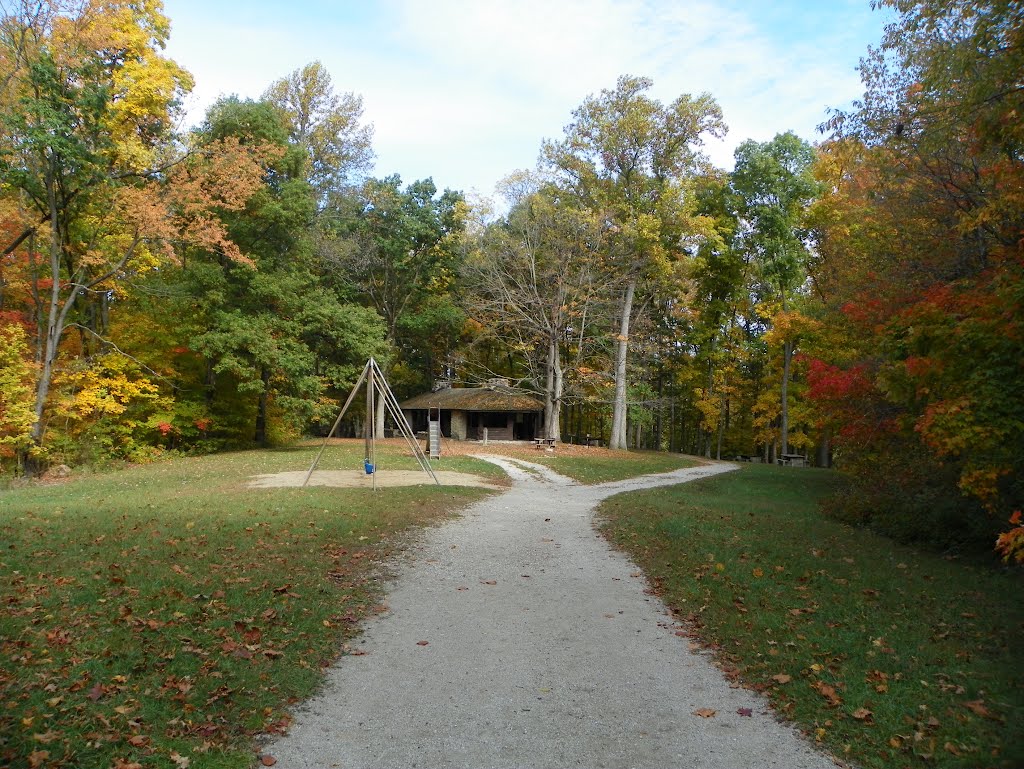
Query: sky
x=465, y=91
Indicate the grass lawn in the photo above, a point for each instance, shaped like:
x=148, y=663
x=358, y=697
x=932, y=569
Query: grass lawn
x=162, y=616
x=585, y=464
x=887, y=656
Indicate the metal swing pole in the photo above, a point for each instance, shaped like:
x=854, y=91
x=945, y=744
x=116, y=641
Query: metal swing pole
x=391, y=403
x=371, y=423
x=337, y=421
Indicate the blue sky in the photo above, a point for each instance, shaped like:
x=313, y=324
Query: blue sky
x=464, y=91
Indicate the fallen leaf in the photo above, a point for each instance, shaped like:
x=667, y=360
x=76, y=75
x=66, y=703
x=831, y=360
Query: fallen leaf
x=46, y=737
x=96, y=692
x=138, y=740
x=462, y=587
x=179, y=760
x=828, y=692
x=949, y=747
x=862, y=714
x=423, y=643
x=782, y=678
x=705, y=712
x=267, y=760
x=978, y=708
x=488, y=582
x=36, y=757
x=758, y=572
x=746, y=712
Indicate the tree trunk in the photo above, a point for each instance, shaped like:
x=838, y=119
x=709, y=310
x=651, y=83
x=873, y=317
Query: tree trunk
x=618, y=437
x=657, y=442
x=55, y=319
x=787, y=356
x=378, y=428
x=553, y=396
x=822, y=458
x=261, y=410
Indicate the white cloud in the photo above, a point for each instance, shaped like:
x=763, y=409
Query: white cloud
x=466, y=91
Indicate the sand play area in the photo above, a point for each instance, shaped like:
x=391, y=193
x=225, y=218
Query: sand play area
x=359, y=479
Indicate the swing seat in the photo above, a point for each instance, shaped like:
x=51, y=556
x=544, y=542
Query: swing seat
x=368, y=466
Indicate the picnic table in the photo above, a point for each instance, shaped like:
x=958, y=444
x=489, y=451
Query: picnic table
x=793, y=460
x=544, y=443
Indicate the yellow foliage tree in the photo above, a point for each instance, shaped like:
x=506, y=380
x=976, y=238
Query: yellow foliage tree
x=16, y=391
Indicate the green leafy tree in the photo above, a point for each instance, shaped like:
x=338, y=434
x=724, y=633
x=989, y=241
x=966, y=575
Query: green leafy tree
x=272, y=328
x=625, y=157
x=774, y=188
x=396, y=250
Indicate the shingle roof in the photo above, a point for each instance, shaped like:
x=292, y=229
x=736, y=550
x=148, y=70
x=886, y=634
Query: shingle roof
x=475, y=399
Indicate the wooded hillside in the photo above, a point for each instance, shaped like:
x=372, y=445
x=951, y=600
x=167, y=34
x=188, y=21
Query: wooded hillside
x=856, y=301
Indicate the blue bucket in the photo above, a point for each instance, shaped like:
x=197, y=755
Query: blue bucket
x=368, y=467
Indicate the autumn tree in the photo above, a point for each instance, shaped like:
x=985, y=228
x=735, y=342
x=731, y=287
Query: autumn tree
x=920, y=254
x=326, y=125
x=531, y=282
x=85, y=151
x=625, y=157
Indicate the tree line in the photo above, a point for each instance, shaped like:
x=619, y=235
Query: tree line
x=855, y=301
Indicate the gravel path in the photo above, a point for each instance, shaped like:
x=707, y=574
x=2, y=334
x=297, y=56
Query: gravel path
x=517, y=638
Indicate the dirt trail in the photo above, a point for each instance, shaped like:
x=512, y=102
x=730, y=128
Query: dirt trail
x=517, y=638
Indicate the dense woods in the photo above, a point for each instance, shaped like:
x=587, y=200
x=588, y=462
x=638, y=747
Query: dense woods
x=857, y=301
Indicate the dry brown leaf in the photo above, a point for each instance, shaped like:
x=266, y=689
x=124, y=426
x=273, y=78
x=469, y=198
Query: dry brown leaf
x=828, y=692
x=267, y=760
x=862, y=714
x=423, y=643
x=782, y=678
x=705, y=712
x=978, y=708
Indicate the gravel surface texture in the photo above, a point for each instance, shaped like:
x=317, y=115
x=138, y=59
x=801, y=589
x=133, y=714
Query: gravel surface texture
x=517, y=638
